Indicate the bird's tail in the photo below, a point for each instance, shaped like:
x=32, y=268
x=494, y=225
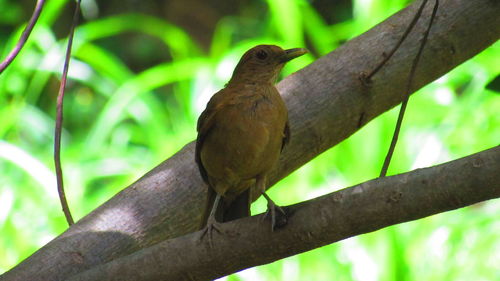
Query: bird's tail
x=238, y=208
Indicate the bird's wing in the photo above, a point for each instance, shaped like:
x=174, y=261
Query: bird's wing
x=204, y=126
x=205, y=123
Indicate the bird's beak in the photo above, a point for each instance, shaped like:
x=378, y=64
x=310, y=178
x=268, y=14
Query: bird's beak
x=290, y=54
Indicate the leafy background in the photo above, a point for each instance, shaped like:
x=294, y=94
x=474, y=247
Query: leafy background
x=138, y=83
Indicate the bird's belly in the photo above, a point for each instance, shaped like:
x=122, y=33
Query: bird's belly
x=243, y=152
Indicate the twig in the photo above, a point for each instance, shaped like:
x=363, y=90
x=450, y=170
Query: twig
x=369, y=76
x=402, y=110
x=59, y=119
x=366, y=78
x=24, y=36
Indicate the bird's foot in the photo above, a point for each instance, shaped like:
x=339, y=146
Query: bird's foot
x=277, y=214
x=212, y=225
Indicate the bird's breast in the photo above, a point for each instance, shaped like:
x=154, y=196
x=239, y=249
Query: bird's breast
x=246, y=137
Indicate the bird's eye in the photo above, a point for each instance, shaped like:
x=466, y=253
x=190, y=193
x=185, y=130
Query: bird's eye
x=262, y=55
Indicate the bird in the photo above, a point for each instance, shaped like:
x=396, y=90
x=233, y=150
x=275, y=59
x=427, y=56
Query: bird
x=241, y=135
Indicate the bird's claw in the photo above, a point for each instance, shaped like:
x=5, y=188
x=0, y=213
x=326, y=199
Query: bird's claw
x=208, y=231
x=277, y=221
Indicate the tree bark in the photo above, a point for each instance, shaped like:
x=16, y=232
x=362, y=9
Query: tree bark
x=349, y=212
x=326, y=102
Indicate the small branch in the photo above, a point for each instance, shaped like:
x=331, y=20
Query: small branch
x=402, y=110
x=369, y=76
x=59, y=119
x=24, y=36
x=339, y=215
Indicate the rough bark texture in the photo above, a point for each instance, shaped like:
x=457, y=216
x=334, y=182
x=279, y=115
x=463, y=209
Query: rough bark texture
x=325, y=102
x=360, y=209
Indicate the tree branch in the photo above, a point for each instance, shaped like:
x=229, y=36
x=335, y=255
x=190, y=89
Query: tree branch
x=24, y=36
x=325, y=102
x=407, y=92
x=59, y=119
x=330, y=218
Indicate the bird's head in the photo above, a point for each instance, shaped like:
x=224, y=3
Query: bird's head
x=263, y=63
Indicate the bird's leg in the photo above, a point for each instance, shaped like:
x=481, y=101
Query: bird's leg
x=212, y=223
x=272, y=209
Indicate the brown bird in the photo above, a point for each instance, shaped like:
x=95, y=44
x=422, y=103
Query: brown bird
x=241, y=134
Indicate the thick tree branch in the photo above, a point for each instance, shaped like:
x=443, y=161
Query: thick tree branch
x=356, y=210
x=325, y=101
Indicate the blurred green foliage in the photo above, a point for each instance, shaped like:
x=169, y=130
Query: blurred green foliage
x=121, y=121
